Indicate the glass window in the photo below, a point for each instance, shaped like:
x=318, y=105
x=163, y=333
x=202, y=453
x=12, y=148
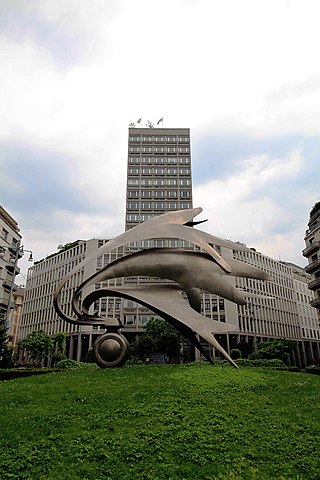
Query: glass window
x=4, y=234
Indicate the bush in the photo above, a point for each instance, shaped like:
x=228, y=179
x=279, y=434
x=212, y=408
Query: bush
x=255, y=356
x=235, y=353
x=57, y=357
x=274, y=363
x=10, y=374
x=313, y=369
x=68, y=363
x=293, y=368
x=90, y=358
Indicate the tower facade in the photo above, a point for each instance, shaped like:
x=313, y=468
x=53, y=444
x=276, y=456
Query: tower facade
x=312, y=253
x=159, y=173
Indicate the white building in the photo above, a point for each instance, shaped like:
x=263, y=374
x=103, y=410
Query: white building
x=10, y=239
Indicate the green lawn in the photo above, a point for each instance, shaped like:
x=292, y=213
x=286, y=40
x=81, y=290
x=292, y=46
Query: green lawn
x=160, y=423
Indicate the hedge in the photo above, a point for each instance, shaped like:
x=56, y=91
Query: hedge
x=10, y=373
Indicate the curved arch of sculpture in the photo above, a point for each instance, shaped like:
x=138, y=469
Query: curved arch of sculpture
x=168, y=302
x=192, y=271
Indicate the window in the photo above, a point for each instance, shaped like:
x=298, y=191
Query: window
x=134, y=205
x=185, y=194
x=134, y=171
x=133, y=193
x=4, y=234
x=172, y=193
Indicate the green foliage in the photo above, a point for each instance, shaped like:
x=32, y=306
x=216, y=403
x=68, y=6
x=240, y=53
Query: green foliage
x=90, y=356
x=158, y=337
x=60, y=340
x=245, y=348
x=38, y=345
x=315, y=209
x=6, y=352
x=235, y=353
x=9, y=374
x=264, y=362
x=68, y=363
x=161, y=422
x=57, y=357
x=67, y=246
x=278, y=348
x=313, y=369
x=255, y=356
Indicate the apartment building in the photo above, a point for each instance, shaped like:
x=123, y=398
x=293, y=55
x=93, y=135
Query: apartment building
x=312, y=253
x=10, y=253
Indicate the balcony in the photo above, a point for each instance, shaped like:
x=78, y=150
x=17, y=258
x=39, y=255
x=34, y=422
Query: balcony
x=315, y=303
x=311, y=249
x=315, y=284
x=11, y=269
x=313, y=266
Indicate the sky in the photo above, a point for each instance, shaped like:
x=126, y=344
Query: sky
x=244, y=76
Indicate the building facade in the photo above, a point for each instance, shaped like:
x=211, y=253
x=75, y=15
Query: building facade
x=159, y=180
x=158, y=174
x=10, y=253
x=312, y=253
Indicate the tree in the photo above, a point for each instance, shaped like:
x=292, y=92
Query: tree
x=38, y=345
x=60, y=340
x=6, y=352
x=278, y=348
x=315, y=209
x=158, y=337
x=245, y=348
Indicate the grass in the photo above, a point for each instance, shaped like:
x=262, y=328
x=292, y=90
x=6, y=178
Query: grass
x=161, y=423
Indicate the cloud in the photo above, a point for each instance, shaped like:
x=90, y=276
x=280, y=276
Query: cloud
x=251, y=206
x=241, y=75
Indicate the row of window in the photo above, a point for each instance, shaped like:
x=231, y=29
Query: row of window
x=158, y=171
x=161, y=160
x=158, y=205
x=165, y=182
x=159, y=194
x=153, y=149
x=159, y=138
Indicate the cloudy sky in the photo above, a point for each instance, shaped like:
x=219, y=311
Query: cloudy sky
x=243, y=75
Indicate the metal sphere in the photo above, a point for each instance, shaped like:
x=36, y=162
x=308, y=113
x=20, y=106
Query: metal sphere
x=111, y=350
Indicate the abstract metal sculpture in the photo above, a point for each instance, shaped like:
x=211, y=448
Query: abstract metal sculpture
x=179, y=303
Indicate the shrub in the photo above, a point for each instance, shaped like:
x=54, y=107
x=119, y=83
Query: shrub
x=90, y=358
x=68, y=363
x=57, y=357
x=293, y=368
x=274, y=363
x=9, y=374
x=255, y=356
x=312, y=369
x=235, y=353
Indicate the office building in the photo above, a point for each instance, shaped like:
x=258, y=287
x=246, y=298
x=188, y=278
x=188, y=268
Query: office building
x=312, y=253
x=159, y=180
x=159, y=173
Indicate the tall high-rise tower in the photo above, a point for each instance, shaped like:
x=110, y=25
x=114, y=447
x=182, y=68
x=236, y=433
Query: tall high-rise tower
x=158, y=181
x=159, y=172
